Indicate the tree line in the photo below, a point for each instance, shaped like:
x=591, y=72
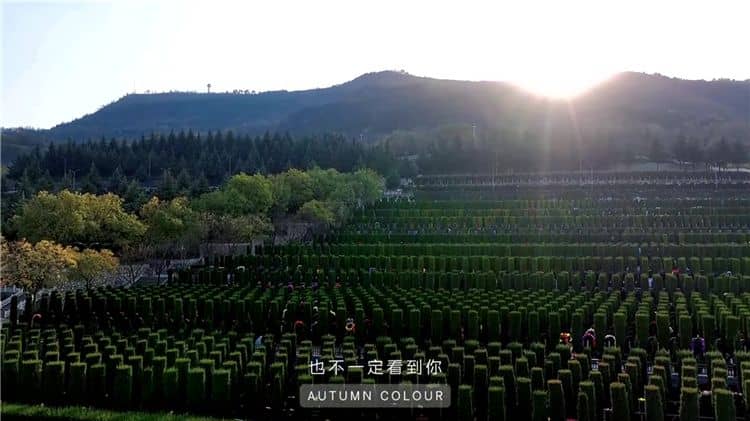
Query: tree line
x=55, y=237
x=475, y=150
x=186, y=162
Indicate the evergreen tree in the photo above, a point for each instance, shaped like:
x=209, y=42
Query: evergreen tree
x=168, y=188
x=134, y=196
x=118, y=183
x=92, y=182
x=200, y=185
x=184, y=183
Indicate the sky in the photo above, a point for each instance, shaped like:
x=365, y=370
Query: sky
x=64, y=59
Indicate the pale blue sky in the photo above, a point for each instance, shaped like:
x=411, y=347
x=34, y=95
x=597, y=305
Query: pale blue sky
x=64, y=59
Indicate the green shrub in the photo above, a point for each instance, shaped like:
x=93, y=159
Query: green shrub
x=600, y=324
x=414, y=322
x=515, y=325
x=496, y=404
x=582, y=407
x=183, y=367
x=522, y=367
x=192, y=355
x=509, y=382
x=654, y=405
x=689, y=410
x=662, y=329
x=537, y=378
x=31, y=380
x=566, y=378
x=564, y=353
x=601, y=394
x=468, y=365
x=685, y=329
x=690, y=382
x=465, y=403
x=473, y=325
x=658, y=381
x=641, y=328
x=576, y=372
x=620, y=404
x=436, y=325
x=73, y=357
x=523, y=385
x=221, y=383
x=54, y=381
x=516, y=349
x=196, y=387
x=620, y=324
x=30, y=355
x=493, y=325
x=159, y=365
x=148, y=392
x=731, y=327
x=556, y=400
x=709, y=327
x=217, y=357
x=554, y=325
x=497, y=381
x=539, y=406
x=723, y=405
x=136, y=362
x=624, y=378
x=588, y=387
x=252, y=389
x=171, y=355
x=634, y=373
x=354, y=375
x=10, y=378
x=97, y=382
x=170, y=384
x=584, y=364
x=123, y=386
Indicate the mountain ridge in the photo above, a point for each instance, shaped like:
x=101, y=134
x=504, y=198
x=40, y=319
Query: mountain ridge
x=378, y=103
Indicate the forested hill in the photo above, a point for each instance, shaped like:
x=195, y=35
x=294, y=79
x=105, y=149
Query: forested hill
x=333, y=109
x=385, y=101
x=626, y=107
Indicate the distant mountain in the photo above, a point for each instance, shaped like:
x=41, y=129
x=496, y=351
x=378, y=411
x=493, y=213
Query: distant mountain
x=376, y=104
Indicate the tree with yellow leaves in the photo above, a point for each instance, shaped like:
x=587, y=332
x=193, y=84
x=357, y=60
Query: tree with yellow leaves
x=36, y=266
x=77, y=219
x=46, y=264
x=92, y=265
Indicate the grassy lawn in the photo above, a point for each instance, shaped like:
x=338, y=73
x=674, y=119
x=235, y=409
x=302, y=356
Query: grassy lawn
x=13, y=411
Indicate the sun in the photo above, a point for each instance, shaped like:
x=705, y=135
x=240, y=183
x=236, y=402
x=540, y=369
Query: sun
x=559, y=83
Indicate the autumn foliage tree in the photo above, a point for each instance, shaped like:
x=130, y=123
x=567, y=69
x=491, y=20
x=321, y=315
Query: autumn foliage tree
x=72, y=218
x=35, y=266
x=46, y=264
x=91, y=265
x=172, y=230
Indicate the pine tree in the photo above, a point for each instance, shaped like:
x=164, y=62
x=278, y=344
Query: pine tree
x=168, y=188
x=92, y=182
x=184, y=183
x=118, y=183
x=133, y=197
x=200, y=185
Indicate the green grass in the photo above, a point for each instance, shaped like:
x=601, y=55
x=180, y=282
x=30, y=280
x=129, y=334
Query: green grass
x=12, y=411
